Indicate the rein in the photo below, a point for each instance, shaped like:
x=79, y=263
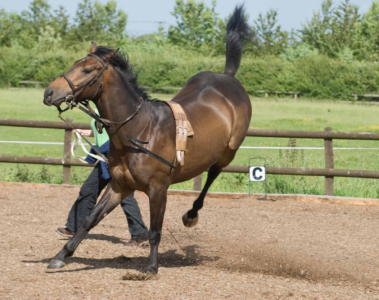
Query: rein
x=87, y=141
x=71, y=103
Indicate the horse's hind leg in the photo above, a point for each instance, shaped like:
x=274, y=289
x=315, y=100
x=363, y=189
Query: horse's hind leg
x=106, y=204
x=191, y=217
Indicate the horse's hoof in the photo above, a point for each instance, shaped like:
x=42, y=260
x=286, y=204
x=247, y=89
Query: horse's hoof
x=56, y=264
x=189, y=222
x=151, y=269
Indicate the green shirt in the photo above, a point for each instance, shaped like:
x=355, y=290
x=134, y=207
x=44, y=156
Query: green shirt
x=100, y=139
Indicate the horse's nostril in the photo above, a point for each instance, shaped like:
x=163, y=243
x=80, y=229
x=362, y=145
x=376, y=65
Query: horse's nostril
x=48, y=95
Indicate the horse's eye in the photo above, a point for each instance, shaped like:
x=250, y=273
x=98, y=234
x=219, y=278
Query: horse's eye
x=87, y=71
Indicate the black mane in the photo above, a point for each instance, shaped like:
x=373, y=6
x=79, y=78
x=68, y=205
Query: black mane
x=121, y=62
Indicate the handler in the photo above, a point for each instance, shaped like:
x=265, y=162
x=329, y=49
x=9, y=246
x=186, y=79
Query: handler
x=91, y=189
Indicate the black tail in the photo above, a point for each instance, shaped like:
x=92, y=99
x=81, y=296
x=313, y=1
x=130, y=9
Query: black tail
x=237, y=32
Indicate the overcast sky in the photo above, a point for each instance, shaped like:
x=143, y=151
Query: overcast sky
x=143, y=13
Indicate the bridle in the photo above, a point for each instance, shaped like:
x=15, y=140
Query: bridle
x=70, y=100
x=76, y=92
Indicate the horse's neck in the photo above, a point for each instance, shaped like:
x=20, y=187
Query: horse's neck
x=117, y=103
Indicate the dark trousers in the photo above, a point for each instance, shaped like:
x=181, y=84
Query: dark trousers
x=86, y=201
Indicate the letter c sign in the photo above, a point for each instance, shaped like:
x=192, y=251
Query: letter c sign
x=257, y=173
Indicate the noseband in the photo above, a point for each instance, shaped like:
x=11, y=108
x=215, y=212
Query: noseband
x=76, y=92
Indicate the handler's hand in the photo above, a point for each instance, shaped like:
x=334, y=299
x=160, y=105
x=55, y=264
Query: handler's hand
x=84, y=132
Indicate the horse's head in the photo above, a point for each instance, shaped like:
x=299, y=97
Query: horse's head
x=83, y=81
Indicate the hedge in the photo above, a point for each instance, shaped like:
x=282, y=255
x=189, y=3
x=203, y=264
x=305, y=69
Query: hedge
x=317, y=76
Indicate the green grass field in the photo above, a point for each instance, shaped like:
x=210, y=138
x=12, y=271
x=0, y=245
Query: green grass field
x=281, y=114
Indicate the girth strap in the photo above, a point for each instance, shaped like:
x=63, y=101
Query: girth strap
x=136, y=143
x=183, y=130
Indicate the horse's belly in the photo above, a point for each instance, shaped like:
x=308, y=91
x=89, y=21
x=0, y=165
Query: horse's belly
x=203, y=151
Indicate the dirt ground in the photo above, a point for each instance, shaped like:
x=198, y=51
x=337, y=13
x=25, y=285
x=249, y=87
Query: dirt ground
x=241, y=249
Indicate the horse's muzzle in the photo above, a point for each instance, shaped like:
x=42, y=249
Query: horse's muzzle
x=49, y=98
x=48, y=95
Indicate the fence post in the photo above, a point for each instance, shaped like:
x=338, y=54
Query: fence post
x=67, y=152
x=329, y=164
x=197, y=183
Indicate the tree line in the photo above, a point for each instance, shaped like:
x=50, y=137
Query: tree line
x=333, y=55
x=336, y=30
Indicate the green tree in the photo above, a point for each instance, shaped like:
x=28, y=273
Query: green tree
x=97, y=22
x=196, y=24
x=220, y=37
x=47, y=39
x=367, y=41
x=302, y=50
x=160, y=37
x=37, y=17
x=344, y=26
x=333, y=31
x=10, y=28
x=271, y=38
x=25, y=28
x=316, y=32
x=60, y=22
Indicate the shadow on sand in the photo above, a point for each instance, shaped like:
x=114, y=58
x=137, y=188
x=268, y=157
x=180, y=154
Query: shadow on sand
x=168, y=259
x=101, y=237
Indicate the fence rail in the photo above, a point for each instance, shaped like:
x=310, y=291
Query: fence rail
x=295, y=94
x=372, y=96
x=334, y=135
x=229, y=169
x=42, y=124
x=42, y=161
x=328, y=136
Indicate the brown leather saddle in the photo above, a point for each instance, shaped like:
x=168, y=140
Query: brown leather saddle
x=183, y=130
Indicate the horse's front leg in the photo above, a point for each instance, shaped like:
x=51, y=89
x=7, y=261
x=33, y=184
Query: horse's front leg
x=158, y=199
x=107, y=203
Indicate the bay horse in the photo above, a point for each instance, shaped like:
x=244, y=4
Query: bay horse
x=216, y=105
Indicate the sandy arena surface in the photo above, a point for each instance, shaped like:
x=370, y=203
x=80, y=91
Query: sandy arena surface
x=241, y=249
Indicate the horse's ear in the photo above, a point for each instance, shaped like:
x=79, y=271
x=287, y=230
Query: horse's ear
x=93, y=47
x=109, y=57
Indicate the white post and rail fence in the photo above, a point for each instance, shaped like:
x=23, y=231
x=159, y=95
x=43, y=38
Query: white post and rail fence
x=328, y=136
